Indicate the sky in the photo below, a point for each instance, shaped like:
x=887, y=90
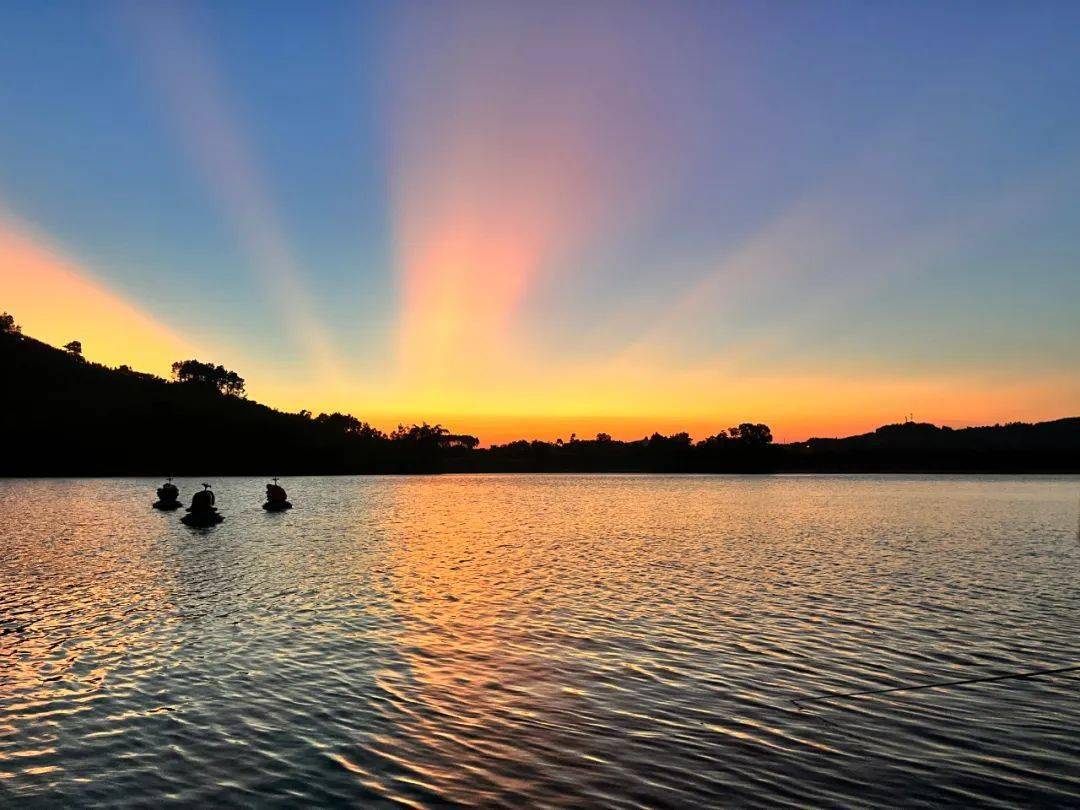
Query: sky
x=537, y=219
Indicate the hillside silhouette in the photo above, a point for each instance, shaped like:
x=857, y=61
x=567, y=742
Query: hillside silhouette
x=63, y=415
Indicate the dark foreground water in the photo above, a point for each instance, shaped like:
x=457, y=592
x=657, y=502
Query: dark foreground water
x=627, y=641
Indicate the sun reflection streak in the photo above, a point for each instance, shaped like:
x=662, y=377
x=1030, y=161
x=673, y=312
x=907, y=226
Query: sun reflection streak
x=471, y=669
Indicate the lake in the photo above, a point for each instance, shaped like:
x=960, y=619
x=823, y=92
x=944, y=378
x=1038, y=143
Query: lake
x=621, y=641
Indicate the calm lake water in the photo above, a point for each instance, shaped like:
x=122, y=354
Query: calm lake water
x=625, y=641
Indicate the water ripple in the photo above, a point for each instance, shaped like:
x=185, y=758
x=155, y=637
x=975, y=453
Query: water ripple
x=617, y=641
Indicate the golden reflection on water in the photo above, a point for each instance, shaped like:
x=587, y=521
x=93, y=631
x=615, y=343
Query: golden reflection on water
x=455, y=590
x=92, y=599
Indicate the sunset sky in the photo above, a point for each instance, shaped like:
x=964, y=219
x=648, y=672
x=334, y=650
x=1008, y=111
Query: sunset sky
x=532, y=219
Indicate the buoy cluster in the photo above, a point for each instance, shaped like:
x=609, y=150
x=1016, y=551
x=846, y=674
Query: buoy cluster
x=203, y=512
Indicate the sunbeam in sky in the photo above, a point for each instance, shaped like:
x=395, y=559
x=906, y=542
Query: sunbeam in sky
x=510, y=154
x=529, y=219
x=183, y=73
x=59, y=301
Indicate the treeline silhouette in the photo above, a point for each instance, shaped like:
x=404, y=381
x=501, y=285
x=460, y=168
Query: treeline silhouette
x=909, y=447
x=745, y=448
x=63, y=415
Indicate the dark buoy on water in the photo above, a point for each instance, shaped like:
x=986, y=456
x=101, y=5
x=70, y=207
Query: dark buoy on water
x=276, y=498
x=168, y=497
x=202, y=513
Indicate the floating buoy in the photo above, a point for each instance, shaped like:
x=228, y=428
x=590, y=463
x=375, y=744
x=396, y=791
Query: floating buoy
x=202, y=514
x=168, y=497
x=277, y=500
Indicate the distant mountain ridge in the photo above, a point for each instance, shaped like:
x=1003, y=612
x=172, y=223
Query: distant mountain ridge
x=1017, y=446
x=61, y=415
x=1010, y=436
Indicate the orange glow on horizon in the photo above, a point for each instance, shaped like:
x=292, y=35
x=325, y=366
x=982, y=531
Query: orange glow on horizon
x=633, y=402
x=55, y=300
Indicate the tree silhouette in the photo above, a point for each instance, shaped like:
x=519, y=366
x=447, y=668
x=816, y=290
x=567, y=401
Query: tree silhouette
x=431, y=438
x=751, y=435
x=74, y=347
x=462, y=441
x=217, y=377
x=8, y=325
x=425, y=434
x=349, y=424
